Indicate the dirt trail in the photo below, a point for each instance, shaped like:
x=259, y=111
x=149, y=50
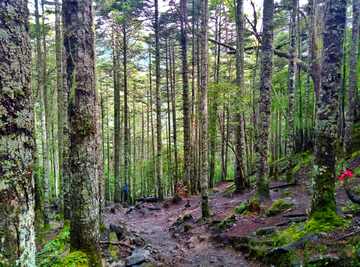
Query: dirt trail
x=197, y=247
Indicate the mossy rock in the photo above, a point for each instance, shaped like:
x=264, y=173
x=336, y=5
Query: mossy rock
x=76, y=259
x=113, y=237
x=278, y=207
x=187, y=227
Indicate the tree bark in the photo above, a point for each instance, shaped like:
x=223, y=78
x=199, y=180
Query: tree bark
x=323, y=194
x=350, y=113
x=85, y=150
x=240, y=176
x=204, y=110
x=292, y=67
x=17, y=244
x=262, y=153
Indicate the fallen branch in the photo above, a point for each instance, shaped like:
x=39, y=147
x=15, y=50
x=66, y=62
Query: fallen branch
x=117, y=243
x=147, y=199
x=291, y=221
x=295, y=215
x=284, y=185
x=346, y=236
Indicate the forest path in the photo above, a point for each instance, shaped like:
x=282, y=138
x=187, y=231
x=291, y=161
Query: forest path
x=197, y=247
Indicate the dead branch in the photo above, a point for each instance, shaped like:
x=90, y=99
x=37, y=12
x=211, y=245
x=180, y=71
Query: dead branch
x=117, y=243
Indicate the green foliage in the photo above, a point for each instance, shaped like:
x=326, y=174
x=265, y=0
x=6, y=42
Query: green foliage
x=75, y=259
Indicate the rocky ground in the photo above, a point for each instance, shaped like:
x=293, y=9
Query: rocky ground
x=239, y=232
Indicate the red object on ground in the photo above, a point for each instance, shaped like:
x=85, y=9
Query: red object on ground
x=345, y=173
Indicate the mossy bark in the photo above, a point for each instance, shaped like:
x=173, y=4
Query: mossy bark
x=262, y=147
x=17, y=236
x=323, y=193
x=240, y=178
x=292, y=67
x=85, y=135
x=204, y=109
x=350, y=114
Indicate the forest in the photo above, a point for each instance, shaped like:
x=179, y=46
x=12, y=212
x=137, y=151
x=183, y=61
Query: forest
x=179, y=133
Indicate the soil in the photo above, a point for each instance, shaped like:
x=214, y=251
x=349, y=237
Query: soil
x=180, y=248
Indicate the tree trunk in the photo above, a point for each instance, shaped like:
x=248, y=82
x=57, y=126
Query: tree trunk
x=323, y=194
x=173, y=107
x=85, y=150
x=167, y=52
x=292, y=67
x=204, y=109
x=40, y=69
x=108, y=144
x=240, y=177
x=152, y=128
x=352, y=79
x=17, y=244
x=159, y=168
x=117, y=142
x=262, y=154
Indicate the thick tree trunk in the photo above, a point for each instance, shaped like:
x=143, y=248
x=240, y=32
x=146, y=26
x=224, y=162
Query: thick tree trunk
x=240, y=176
x=262, y=153
x=40, y=69
x=159, y=168
x=323, y=196
x=85, y=150
x=292, y=67
x=204, y=109
x=350, y=114
x=17, y=244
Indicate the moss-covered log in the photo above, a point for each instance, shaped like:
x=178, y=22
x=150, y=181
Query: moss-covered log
x=17, y=237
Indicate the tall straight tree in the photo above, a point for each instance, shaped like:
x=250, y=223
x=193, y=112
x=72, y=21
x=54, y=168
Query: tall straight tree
x=17, y=244
x=240, y=178
x=186, y=102
x=352, y=78
x=159, y=169
x=262, y=154
x=323, y=193
x=204, y=109
x=292, y=67
x=41, y=81
x=85, y=149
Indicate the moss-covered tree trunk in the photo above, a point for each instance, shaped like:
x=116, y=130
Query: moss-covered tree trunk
x=323, y=194
x=292, y=69
x=85, y=134
x=159, y=168
x=204, y=109
x=262, y=153
x=240, y=178
x=350, y=113
x=17, y=236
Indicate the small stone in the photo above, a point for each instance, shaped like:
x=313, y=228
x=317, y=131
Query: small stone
x=266, y=231
x=135, y=259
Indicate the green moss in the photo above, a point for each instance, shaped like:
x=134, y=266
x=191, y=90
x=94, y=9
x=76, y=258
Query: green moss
x=355, y=154
x=278, y=207
x=102, y=228
x=187, y=227
x=324, y=221
x=76, y=259
x=286, y=194
x=113, y=254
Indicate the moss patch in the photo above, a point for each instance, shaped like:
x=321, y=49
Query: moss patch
x=278, y=207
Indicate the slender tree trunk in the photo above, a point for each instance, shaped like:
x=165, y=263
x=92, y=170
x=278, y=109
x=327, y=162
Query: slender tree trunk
x=167, y=53
x=37, y=183
x=134, y=160
x=142, y=151
x=262, y=154
x=17, y=243
x=117, y=142
x=350, y=113
x=240, y=176
x=204, y=109
x=40, y=69
x=152, y=128
x=310, y=33
x=323, y=196
x=173, y=106
x=85, y=150
x=108, y=143
x=292, y=67
x=186, y=102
